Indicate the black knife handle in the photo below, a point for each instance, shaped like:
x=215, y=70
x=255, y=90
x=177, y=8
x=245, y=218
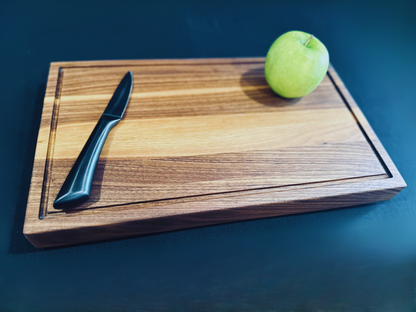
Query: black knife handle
x=77, y=186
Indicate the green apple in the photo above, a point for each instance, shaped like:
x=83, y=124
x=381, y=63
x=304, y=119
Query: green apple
x=295, y=64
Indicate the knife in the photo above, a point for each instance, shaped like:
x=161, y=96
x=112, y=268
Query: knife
x=77, y=186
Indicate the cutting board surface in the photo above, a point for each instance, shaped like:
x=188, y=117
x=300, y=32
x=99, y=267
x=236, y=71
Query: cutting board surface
x=195, y=130
x=198, y=128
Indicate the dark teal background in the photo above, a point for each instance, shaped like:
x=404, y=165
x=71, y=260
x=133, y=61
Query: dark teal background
x=357, y=259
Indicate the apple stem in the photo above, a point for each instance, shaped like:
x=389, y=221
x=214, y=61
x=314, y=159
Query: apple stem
x=310, y=38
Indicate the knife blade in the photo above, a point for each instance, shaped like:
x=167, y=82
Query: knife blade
x=77, y=187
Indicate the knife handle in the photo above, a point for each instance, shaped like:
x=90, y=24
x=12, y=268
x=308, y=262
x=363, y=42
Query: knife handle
x=77, y=186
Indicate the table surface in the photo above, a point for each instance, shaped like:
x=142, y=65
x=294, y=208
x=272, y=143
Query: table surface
x=356, y=259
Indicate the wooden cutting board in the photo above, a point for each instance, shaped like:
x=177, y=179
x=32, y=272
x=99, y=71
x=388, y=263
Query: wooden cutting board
x=202, y=142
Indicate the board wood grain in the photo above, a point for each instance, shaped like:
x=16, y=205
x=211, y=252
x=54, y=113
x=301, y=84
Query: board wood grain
x=202, y=142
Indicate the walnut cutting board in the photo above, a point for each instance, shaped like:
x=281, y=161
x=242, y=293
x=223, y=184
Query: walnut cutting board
x=202, y=142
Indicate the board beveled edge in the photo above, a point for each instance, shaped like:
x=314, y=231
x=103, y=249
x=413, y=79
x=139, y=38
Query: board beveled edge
x=111, y=223
x=90, y=226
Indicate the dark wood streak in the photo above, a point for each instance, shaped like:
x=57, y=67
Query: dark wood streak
x=120, y=181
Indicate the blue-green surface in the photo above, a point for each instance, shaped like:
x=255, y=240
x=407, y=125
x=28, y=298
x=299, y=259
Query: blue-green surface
x=357, y=259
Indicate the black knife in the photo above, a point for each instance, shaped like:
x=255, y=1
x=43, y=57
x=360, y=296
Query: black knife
x=77, y=186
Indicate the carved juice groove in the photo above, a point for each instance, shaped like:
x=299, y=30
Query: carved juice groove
x=54, y=125
x=231, y=193
x=51, y=147
x=255, y=77
x=380, y=159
